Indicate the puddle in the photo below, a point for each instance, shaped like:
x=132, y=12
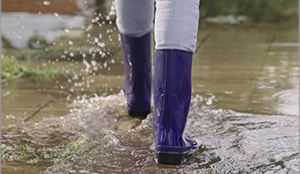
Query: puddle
x=231, y=142
x=287, y=102
x=285, y=44
x=85, y=103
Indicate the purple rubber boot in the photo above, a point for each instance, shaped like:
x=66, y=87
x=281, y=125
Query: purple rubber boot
x=137, y=57
x=172, y=96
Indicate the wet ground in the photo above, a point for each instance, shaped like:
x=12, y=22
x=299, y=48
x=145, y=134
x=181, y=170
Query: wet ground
x=244, y=110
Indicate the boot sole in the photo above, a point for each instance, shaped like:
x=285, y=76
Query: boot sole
x=171, y=159
x=141, y=115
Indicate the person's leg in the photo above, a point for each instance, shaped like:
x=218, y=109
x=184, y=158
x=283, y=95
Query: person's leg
x=176, y=27
x=134, y=17
x=176, y=24
x=135, y=23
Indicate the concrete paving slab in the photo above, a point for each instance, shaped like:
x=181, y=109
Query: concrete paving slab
x=228, y=73
x=204, y=32
x=55, y=108
x=14, y=116
x=226, y=66
x=288, y=32
x=276, y=90
x=24, y=99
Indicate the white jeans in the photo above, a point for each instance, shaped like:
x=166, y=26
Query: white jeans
x=176, y=21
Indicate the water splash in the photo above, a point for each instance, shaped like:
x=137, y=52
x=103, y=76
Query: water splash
x=46, y=3
x=230, y=142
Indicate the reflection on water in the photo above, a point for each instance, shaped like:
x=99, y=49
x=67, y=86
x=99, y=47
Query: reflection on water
x=277, y=87
x=287, y=101
x=230, y=142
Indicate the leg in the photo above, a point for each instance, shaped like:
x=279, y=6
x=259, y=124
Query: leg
x=135, y=23
x=176, y=24
x=135, y=17
x=176, y=35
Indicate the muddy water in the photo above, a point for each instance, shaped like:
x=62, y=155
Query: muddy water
x=230, y=142
x=256, y=131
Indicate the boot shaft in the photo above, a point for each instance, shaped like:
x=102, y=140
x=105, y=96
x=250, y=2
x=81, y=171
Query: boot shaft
x=137, y=57
x=172, y=96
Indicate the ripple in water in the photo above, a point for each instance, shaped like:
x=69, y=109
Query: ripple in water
x=230, y=142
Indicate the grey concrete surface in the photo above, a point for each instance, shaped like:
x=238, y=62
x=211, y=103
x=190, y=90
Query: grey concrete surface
x=235, y=67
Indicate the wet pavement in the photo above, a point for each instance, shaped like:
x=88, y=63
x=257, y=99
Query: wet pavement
x=244, y=110
x=244, y=70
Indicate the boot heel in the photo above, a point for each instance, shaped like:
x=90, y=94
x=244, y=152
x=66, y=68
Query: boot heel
x=141, y=115
x=169, y=158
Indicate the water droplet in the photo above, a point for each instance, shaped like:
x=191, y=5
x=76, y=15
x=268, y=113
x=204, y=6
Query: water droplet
x=101, y=44
x=228, y=92
x=10, y=116
x=271, y=53
x=94, y=63
x=67, y=30
x=46, y=3
x=6, y=93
